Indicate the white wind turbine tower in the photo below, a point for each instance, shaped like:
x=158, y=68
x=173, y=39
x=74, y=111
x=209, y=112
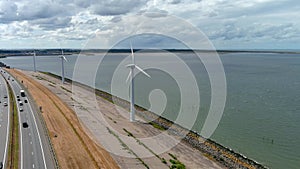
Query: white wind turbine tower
x=132, y=66
x=63, y=59
x=34, y=64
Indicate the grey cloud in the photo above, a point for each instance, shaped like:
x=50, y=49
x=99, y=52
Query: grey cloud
x=52, y=23
x=116, y=19
x=278, y=32
x=83, y=3
x=174, y=2
x=228, y=32
x=258, y=31
x=31, y=11
x=8, y=11
x=155, y=13
x=229, y=9
x=116, y=7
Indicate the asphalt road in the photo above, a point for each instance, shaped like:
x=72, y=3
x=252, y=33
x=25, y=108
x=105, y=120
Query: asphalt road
x=4, y=121
x=34, y=148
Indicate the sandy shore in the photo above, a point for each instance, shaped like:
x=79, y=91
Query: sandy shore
x=132, y=145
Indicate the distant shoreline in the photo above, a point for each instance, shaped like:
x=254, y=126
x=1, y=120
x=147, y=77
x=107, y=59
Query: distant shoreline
x=49, y=52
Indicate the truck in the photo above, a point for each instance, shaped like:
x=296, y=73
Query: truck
x=22, y=93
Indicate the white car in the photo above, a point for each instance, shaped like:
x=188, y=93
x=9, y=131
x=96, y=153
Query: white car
x=5, y=104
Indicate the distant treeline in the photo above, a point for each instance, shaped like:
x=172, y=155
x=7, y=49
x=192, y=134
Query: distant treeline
x=29, y=52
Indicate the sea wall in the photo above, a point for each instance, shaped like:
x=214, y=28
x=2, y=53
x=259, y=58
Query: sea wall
x=211, y=149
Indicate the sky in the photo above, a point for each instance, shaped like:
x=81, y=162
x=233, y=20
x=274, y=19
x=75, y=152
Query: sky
x=227, y=24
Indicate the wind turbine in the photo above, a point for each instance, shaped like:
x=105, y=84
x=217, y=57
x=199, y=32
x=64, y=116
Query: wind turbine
x=34, y=64
x=63, y=59
x=132, y=66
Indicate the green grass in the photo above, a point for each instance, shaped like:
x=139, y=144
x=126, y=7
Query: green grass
x=157, y=126
x=41, y=78
x=126, y=146
x=67, y=90
x=175, y=162
x=173, y=156
x=163, y=160
x=13, y=151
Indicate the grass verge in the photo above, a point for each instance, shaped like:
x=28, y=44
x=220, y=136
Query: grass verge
x=126, y=146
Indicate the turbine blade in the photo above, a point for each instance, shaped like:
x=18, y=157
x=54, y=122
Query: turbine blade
x=64, y=58
x=132, y=55
x=128, y=77
x=140, y=69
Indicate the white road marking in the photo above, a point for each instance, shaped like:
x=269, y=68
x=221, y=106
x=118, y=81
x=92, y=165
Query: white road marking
x=36, y=127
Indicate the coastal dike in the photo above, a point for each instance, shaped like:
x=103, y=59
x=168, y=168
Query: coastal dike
x=211, y=149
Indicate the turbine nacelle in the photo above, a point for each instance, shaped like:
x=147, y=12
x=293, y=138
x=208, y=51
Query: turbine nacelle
x=63, y=57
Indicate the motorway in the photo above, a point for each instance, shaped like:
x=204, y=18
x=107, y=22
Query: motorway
x=34, y=147
x=4, y=121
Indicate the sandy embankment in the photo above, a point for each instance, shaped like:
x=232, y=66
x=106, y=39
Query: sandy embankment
x=132, y=145
x=73, y=147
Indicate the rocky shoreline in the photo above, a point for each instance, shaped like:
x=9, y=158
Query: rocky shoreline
x=211, y=149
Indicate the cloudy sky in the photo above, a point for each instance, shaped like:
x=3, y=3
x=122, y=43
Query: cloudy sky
x=228, y=24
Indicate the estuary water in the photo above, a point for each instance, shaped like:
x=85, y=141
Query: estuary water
x=261, y=119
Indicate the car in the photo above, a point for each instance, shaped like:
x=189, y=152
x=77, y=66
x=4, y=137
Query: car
x=18, y=96
x=5, y=96
x=22, y=93
x=25, y=125
x=1, y=165
x=20, y=103
x=25, y=101
x=5, y=104
x=18, y=99
x=21, y=109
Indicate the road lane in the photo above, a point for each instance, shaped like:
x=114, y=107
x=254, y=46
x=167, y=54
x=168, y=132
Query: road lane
x=32, y=142
x=4, y=121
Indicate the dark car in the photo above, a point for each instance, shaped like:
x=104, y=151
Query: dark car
x=1, y=165
x=25, y=101
x=25, y=125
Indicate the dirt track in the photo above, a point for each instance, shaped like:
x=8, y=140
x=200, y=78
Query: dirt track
x=73, y=147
